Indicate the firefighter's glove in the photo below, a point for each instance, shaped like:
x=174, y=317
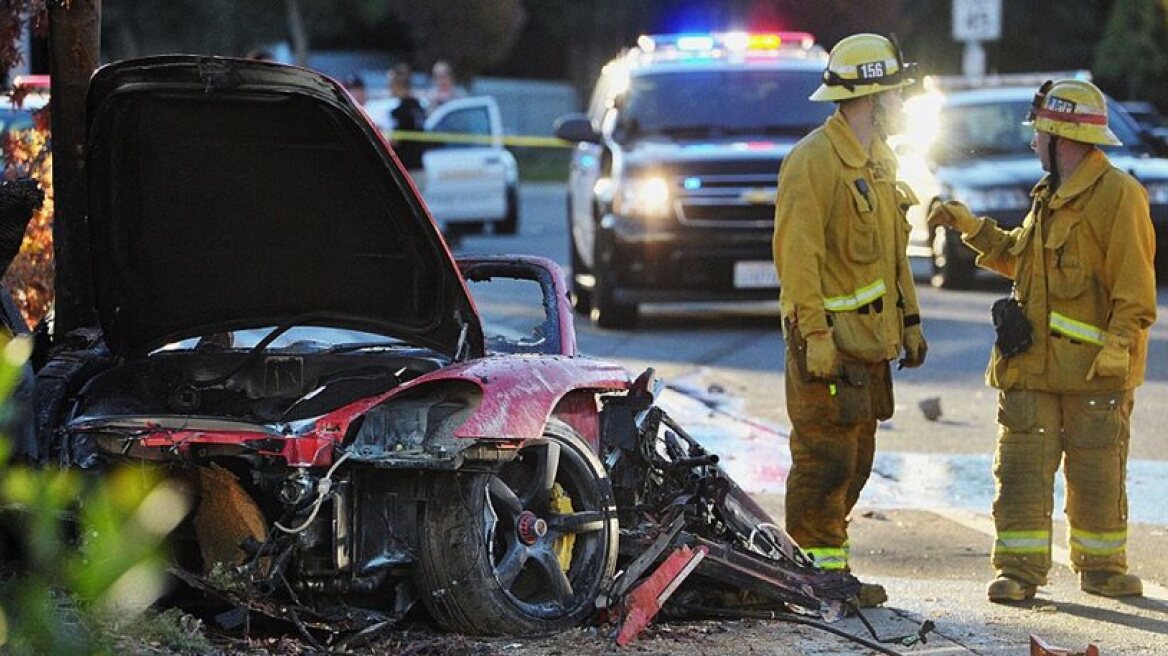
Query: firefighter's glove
x=953, y=214
x=822, y=357
x=1113, y=360
x=915, y=347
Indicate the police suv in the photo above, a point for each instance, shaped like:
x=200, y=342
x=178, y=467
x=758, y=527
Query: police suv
x=672, y=184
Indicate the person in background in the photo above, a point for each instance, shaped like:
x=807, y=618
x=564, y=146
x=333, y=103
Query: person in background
x=847, y=298
x=443, y=89
x=1067, y=365
x=356, y=88
x=407, y=115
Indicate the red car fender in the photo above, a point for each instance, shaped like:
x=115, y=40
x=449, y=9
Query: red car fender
x=520, y=392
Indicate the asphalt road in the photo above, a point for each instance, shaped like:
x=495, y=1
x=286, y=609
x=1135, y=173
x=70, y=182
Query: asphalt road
x=932, y=554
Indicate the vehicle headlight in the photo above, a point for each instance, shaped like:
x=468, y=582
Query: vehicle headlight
x=990, y=199
x=647, y=197
x=1157, y=193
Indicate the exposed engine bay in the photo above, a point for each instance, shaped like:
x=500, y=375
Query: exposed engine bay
x=262, y=388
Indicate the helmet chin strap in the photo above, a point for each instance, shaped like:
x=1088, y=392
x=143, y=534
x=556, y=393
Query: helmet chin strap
x=1052, y=157
x=879, y=118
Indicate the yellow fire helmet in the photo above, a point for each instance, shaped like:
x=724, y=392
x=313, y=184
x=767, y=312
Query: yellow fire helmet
x=1073, y=109
x=861, y=65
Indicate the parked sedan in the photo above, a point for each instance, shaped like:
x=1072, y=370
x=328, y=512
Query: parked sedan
x=971, y=146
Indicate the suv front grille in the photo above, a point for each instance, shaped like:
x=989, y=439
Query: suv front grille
x=720, y=200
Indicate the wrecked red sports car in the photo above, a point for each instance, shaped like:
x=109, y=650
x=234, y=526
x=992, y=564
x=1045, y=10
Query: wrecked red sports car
x=281, y=326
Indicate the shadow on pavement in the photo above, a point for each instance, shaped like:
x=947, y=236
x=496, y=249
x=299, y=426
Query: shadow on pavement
x=670, y=318
x=1142, y=623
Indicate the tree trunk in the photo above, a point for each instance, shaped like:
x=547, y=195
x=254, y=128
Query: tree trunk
x=74, y=48
x=297, y=33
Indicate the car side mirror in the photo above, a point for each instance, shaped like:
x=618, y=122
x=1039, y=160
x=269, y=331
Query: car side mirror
x=1157, y=143
x=576, y=128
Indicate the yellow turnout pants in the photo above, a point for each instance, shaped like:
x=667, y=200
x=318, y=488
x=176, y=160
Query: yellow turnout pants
x=833, y=430
x=1088, y=434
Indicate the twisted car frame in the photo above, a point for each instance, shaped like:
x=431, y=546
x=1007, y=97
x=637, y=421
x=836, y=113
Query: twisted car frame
x=281, y=327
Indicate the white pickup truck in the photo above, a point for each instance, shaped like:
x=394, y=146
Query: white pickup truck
x=471, y=184
x=470, y=180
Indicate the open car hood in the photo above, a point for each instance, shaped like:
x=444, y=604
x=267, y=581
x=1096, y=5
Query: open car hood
x=228, y=194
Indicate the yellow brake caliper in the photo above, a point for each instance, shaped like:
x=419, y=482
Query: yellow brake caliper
x=561, y=504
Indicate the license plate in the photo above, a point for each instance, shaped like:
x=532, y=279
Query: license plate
x=755, y=275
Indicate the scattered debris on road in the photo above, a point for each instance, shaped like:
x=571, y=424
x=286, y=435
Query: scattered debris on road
x=1038, y=647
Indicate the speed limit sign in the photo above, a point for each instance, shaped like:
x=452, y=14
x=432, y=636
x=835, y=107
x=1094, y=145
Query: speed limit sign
x=977, y=20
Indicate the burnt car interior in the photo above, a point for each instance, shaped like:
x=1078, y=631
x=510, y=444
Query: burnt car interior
x=532, y=327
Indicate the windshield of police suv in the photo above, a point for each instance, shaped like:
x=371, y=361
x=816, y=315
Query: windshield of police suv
x=702, y=104
x=973, y=131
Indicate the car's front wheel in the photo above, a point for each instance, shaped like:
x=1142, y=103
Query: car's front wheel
x=581, y=296
x=509, y=225
x=524, y=550
x=607, y=311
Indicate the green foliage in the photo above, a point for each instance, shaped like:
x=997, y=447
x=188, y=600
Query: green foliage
x=1131, y=61
x=471, y=34
x=132, y=28
x=77, y=550
x=171, y=628
x=13, y=17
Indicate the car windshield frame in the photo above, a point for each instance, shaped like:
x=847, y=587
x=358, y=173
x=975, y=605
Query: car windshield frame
x=720, y=102
x=302, y=338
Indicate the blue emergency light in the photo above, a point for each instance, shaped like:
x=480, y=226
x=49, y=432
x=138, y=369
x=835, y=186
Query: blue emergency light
x=694, y=42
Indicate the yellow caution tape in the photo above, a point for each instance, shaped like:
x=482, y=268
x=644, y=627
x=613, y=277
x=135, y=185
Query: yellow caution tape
x=480, y=139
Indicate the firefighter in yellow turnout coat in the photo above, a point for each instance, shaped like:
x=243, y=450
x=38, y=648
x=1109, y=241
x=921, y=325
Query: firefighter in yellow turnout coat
x=848, y=302
x=1082, y=264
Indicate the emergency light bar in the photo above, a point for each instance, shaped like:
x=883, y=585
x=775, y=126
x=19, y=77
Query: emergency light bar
x=734, y=42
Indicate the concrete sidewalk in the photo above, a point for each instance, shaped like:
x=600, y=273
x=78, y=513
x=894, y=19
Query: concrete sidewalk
x=932, y=551
x=935, y=566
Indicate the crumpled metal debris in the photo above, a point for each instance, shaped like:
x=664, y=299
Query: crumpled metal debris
x=674, y=498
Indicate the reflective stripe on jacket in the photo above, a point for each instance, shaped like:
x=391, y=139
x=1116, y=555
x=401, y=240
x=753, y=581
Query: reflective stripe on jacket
x=1082, y=261
x=840, y=239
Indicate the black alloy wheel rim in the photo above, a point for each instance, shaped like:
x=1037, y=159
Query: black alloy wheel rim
x=523, y=530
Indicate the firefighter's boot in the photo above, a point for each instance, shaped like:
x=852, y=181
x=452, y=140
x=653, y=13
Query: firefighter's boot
x=1005, y=589
x=1111, y=584
x=871, y=595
